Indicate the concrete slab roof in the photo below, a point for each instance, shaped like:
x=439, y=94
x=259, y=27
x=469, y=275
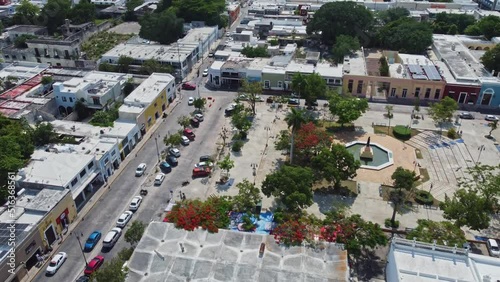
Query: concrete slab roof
x=147, y=92
x=328, y=70
x=229, y=256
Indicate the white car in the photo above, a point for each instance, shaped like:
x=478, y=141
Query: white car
x=124, y=219
x=159, y=179
x=205, y=72
x=184, y=140
x=174, y=152
x=140, y=169
x=490, y=118
x=190, y=101
x=204, y=164
x=56, y=263
x=199, y=117
x=136, y=202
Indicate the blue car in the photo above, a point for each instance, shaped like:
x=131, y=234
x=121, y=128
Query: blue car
x=165, y=167
x=92, y=241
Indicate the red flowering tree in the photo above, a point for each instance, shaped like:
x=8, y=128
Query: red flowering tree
x=310, y=139
x=291, y=233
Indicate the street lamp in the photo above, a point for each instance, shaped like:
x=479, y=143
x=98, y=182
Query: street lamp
x=81, y=249
x=157, y=149
x=481, y=149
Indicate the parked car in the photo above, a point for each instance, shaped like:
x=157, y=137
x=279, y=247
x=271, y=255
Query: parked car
x=205, y=72
x=199, y=117
x=493, y=248
x=491, y=118
x=184, y=140
x=83, y=279
x=466, y=115
x=159, y=179
x=230, y=109
x=165, y=167
x=111, y=238
x=293, y=101
x=189, y=134
x=174, y=152
x=135, y=203
x=190, y=101
x=201, y=171
x=140, y=169
x=204, y=164
x=124, y=219
x=242, y=97
x=92, y=241
x=94, y=265
x=55, y=263
x=206, y=158
x=195, y=122
x=188, y=86
x=210, y=55
x=172, y=160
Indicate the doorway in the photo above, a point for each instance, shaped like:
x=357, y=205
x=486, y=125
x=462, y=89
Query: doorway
x=50, y=235
x=487, y=95
x=462, y=97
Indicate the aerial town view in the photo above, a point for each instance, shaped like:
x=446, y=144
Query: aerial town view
x=250, y=140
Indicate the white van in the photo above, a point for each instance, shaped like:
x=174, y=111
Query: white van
x=112, y=237
x=493, y=247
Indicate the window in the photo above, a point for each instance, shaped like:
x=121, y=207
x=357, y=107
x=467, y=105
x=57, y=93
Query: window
x=360, y=87
x=91, y=164
x=96, y=100
x=437, y=94
x=6, y=56
x=64, y=98
x=349, y=85
x=405, y=91
x=417, y=92
x=106, y=161
x=74, y=181
x=393, y=92
x=70, y=99
x=82, y=173
x=66, y=54
x=113, y=153
x=24, y=57
x=267, y=84
x=280, y=84
x=427, y=93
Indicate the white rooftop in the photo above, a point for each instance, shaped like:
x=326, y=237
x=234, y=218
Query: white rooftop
x=328, y=70
x=22, y=71
x=275, y=70
x=259, y=63
x=355, y=64
x=147, y=92
x=302, y=67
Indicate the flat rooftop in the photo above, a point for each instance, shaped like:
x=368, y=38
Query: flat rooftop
x=21, y=70
x=297, y=66
x=229, y=256
x=147, y=92
x=329, y=70
x=355, y=64
x=259, y=63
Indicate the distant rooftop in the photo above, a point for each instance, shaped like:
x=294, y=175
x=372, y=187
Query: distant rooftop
x=169, y=254
x=297, y=66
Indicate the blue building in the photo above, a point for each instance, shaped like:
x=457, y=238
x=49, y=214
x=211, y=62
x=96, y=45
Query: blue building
x=489, y=96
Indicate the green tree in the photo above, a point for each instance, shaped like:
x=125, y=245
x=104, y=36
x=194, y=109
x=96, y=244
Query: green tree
x=340, y=18
x=124, y=63
x=248, y=196
x=199, y=103
x=406, y=35
x=476, y=200
x=255, y=52
x=164, y=27
x=172, y=140
x=393, y=14
x=101, y=118
x=151, y=65
x=83, y=12
x=184, y=121
x=404, y=181
x=132, y=4
x=107, y=67
x=299, y=83
x=20, y=41
x=81, y=110
x=55, y=12
x=491, y=59
x=347, y=108
x=110, y=271
x=292, y=186
x=493, y=125
x=344, y=45
x=46, y=80
x=443, y=110
x=315, y=87
x=125, y=253
x=163, y=5
x=44, y=134
x=282, y=142
x=444, y=22
x=226, y=164
x=251, y=90
x=488, y=26
x=294, y=119
x=416, y=105
x=389, y=115
x=241, y=121
x=209, y=10
x=335, y=164
x=383, y=68
x=444, y=232
x=135, y=232
x=26, y=13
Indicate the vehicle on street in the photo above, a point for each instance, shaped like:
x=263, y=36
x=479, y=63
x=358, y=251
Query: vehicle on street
x=204, y=164
x=206, y=158
x=493, y=247
x=135, y=203
x=199, y=117
x=190, y=101
x=466, y=115
x=83, y=279
x=293, y=101
x=172, y=161
x=124, y=219
x=111, y=238
x=94, y=265
x=230, y=109
x=189, y=134
x=140, y=169
x=174, y=152
x=165, y=167
x=491, y=118
x=195, y=122
x=242, y=97
x=159, y=179
x=210, y=55
x=92, y=241
x=188, y=86
x=56, y=263
x=205, y=73
x=184, y=140
x=201, y=172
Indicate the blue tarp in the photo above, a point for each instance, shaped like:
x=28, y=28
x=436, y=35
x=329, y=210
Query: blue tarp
x=264, y=224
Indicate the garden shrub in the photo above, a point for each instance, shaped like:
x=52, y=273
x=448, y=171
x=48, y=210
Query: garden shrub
x=452, y=133
x=423, y=197
x=387, y=223
x=401, y=132
x=237, y=145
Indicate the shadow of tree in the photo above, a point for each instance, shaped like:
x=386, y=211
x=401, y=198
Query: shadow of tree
x=327, y=201
x=348, y=136
x=369, y=266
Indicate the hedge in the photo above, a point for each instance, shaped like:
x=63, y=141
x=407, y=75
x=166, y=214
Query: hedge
x=424, y=198
x=402, y=132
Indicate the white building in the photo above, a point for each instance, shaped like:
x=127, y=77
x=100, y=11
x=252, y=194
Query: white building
x=108, y=2
x=416, y=261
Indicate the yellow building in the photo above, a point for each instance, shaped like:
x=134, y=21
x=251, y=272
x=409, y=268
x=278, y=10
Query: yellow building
x=146, y=104
x=409, y=77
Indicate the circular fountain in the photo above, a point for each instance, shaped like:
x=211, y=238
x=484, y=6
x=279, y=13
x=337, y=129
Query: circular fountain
x=371, y=155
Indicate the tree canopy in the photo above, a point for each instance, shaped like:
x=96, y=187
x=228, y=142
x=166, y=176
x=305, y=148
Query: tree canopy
x=393, y=14
x=491, y=59
x=135, y=232
x=55, y=12
x=340, y=18
x=194, y=10
x=26, y=13
x=347, y=108
x=83, y=12
x=294, y=119
x=444, y=232
x=164, y=27
x=452, y=23
x=406, y=35
x=255, y=52
x=292, y=185
x=310, y=87
x=344, y=45
x=488, y=26
x=335, y=164
x=404, y=180
x=248, y=196
x=110, y=271
x=443, y=110
x=251, y=90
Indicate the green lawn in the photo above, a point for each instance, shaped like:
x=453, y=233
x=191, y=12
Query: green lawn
x=102, y=42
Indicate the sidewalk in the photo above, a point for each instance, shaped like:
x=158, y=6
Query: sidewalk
x=95, y=198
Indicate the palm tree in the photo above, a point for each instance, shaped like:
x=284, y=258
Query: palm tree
x=295, y=118
x=493, y=125
x=299, y=82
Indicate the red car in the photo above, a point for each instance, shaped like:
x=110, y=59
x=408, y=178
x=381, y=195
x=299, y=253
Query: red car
x=188, y=86
x=94, y=265
x=201, y=172
x=189, y=134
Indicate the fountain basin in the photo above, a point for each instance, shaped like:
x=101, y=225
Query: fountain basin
x=382, y=157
